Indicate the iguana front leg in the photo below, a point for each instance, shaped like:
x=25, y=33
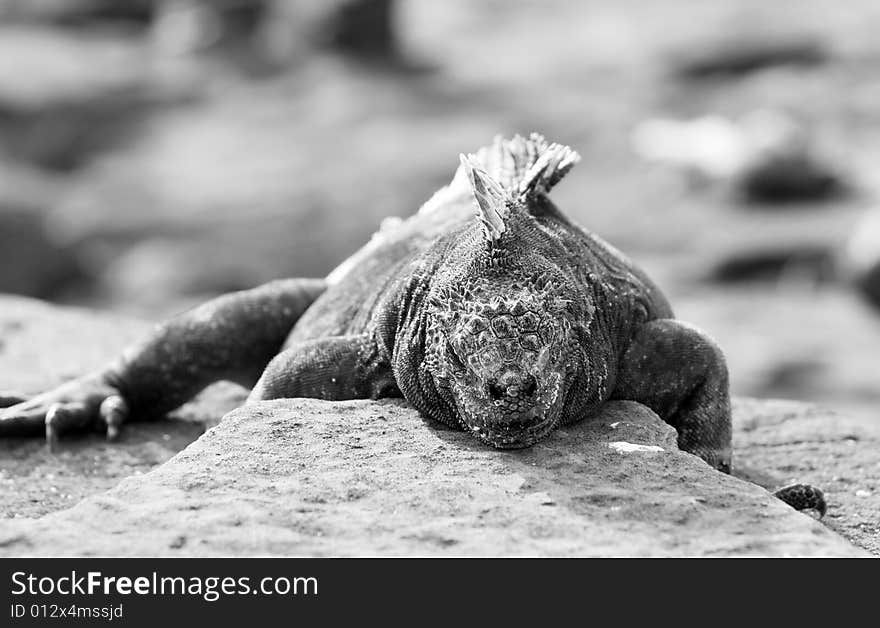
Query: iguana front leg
x=232, y=337
x=680, y=373
x=335, y=368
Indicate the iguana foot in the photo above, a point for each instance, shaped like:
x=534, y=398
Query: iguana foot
x=77, y=406
x=803, y=497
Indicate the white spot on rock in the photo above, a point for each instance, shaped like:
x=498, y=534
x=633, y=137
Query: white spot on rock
x=511, y=483
x=541, y=497
x=626, y=448
x=615, y=424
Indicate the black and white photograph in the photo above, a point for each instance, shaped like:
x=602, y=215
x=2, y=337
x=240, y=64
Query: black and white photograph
x=424, y=278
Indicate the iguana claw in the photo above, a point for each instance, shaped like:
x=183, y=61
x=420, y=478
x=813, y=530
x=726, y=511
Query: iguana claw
x=76, y=406
x=803, y=497
x=62, y=417
x=113, y=412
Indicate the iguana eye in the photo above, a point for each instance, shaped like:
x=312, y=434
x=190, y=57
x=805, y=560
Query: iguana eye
x=453, y=356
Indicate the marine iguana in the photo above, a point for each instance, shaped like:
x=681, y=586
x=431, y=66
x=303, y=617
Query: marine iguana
x=507, y=325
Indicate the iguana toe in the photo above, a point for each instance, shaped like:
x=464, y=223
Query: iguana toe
x=803, y=497
x=64, y=417
x=113, y=412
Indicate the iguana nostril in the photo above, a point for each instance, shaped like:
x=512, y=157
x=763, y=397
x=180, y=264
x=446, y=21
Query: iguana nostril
x=529, y=386
x=495, y=391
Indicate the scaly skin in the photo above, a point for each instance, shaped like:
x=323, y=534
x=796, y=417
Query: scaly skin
x=506, y=326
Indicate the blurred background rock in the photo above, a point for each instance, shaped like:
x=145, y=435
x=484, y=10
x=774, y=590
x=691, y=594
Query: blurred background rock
x=156, y=152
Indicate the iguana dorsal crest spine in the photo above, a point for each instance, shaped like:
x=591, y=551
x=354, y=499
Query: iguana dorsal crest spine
x=505, y=174
x=491, y=198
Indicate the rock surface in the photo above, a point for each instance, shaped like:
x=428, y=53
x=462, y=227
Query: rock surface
x=309, y=477
x=780, y=442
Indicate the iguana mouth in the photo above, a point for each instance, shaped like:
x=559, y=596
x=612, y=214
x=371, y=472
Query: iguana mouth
x=516, y=433
x=513, y=422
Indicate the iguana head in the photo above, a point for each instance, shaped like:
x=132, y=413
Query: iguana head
x=503, y=324
x=501, y=351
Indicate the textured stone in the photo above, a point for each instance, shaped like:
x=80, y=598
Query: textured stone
x=309, y=477
x=781, y=442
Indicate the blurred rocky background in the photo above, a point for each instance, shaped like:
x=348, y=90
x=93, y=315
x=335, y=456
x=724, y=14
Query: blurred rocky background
x=154, y=153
